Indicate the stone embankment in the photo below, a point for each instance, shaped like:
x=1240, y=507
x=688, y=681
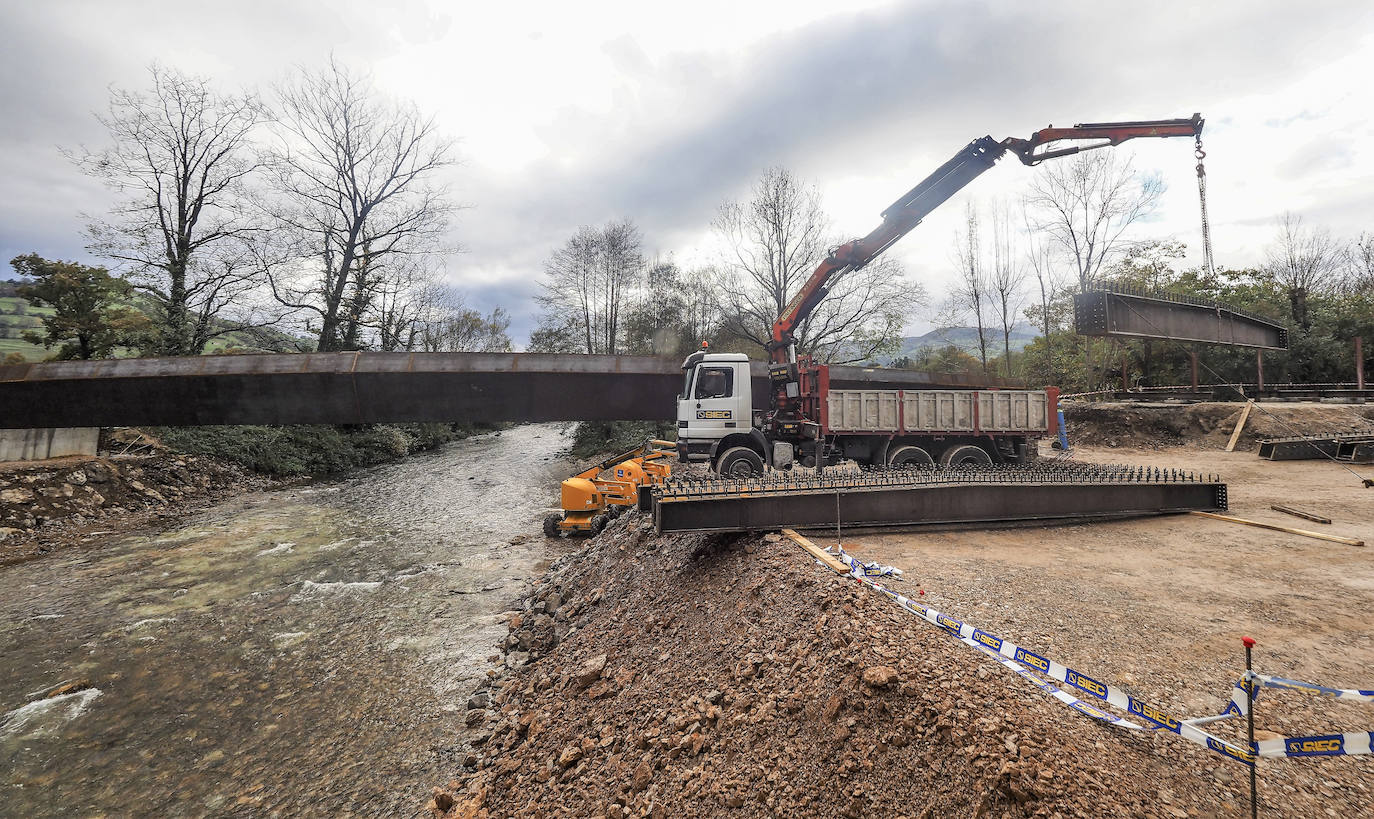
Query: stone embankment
x=711, y=675
x=48, y=504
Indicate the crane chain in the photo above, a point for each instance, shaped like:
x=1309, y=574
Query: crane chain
x=1202, y=200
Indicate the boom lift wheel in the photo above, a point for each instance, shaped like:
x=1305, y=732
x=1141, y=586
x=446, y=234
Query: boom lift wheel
x=966, y=455
x=739, y=462
x=551, y=525
x=910, y=456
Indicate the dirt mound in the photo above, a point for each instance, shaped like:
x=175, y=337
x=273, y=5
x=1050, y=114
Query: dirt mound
x=1155, y=426
x=687, y=676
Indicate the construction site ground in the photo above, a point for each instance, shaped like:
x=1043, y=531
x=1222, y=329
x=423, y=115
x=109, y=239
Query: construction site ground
x=700, y=675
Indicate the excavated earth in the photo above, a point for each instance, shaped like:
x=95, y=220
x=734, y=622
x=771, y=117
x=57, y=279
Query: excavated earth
x=1209, y=425
x=733, y=675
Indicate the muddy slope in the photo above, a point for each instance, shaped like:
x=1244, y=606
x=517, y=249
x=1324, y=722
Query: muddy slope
x=701, y=676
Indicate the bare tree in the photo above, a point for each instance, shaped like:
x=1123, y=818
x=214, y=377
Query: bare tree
x=1008, y=276
x=971, y=292
x=773, y=243
x=1303, y=262
x=1360, y=264
x=181, y=154
x=1087, y=205
x=406, y=302
x=588, y=285
x=1041, y=262
x=456, y=328
x=358, y=179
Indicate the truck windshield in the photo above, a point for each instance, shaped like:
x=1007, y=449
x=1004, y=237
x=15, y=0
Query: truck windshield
x=715, y=382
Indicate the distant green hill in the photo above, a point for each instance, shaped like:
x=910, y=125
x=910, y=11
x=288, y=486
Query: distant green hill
x=965, y=338
x=18, y=316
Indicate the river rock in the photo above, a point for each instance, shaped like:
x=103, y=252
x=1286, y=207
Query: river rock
x=17, y=495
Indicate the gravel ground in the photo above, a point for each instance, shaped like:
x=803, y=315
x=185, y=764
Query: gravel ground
x=700, y=676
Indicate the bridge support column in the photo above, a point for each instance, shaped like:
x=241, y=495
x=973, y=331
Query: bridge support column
x=1259, y=370
x=1359, y=362
x=1192, y=366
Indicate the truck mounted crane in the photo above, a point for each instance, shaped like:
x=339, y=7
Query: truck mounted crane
x=888, y=429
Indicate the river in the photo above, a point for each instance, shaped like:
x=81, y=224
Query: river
x=298, y=650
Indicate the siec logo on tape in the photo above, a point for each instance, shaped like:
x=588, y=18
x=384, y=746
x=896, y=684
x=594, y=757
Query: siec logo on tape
x=1228, y=750
x=994, y=643
x=1092, y=712
x=1153, y=714
x=1033, y=660
x=1316, y=746
x=1085, y=683
x=948, y=623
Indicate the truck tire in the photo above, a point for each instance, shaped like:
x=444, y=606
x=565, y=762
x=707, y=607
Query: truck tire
x=966, y=455
x=909, y=456
x=739, y=462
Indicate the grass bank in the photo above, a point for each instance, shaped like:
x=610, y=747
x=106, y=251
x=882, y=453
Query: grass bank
x=312, y=449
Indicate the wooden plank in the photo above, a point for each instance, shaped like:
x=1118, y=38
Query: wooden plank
x=1318, y=535
x=1298, y=513
x=1235, y=436
x=816, y=551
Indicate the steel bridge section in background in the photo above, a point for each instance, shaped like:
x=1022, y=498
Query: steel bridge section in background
x=364, y=388
x=1120, y=312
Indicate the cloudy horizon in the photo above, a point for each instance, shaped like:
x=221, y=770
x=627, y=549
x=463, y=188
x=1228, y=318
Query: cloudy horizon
x=567, y=116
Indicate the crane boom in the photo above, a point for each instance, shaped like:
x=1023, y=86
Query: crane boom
x=961, y=169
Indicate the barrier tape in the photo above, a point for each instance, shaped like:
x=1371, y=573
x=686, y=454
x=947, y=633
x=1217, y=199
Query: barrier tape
x=1334, y=744
x=1017, y=659
x=870, y=569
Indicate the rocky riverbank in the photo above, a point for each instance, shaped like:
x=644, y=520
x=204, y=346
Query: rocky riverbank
x=703, y=675
x=45, y=505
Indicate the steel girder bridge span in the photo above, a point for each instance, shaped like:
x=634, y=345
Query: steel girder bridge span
x=1119, y=311
x=366, y=388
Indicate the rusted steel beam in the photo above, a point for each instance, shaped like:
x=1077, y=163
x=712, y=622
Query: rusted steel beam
x=360, y=388
x=928, y=497
x=1121, y=313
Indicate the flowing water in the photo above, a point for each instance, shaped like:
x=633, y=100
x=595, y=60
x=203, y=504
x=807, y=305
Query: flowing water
x=299, y=650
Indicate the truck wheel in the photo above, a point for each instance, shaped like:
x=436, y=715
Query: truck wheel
x=966, y=455
x=909, y=456
x=599, y=523
x=739, y=462
x=551, y=525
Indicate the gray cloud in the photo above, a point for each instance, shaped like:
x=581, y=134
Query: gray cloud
x=882, y=94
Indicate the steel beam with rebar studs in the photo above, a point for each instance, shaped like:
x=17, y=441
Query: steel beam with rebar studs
x=926, y=495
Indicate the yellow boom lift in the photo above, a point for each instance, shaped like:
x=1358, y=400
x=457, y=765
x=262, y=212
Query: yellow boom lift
x=590, y=500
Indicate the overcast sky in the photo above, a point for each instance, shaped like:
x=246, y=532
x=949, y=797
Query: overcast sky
x=578, y=113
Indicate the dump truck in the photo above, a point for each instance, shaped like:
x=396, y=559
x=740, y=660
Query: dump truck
x=808, y=423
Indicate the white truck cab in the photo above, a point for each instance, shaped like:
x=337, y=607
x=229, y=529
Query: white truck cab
x=715, y=414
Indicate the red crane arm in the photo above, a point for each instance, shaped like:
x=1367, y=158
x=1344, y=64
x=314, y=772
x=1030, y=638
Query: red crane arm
x=1112, y=133
x=965, y=166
